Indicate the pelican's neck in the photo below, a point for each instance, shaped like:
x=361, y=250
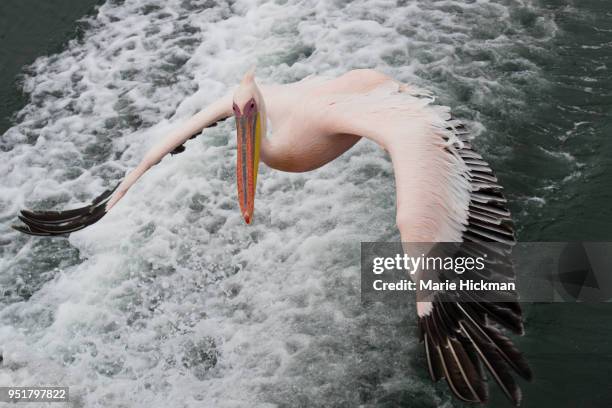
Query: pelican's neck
x=265, y=148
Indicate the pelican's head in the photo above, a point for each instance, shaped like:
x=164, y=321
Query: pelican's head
x=249, y=111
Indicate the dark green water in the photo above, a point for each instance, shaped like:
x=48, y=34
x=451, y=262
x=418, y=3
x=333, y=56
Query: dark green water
x=28, y=29
x=557, y=173
x=570, y=345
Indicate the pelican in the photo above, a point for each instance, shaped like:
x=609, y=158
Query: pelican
x=445, y=192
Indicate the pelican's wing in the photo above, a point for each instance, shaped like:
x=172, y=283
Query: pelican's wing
x=51, y=223
x=459, y=329
x=445, y=192
x=460, y=200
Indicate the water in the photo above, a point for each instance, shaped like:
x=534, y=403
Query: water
x=28, y=29
x=171, y=300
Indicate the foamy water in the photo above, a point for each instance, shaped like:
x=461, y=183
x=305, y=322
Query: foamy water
x=171, y=300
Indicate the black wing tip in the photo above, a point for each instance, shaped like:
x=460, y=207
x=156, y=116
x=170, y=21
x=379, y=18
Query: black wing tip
x=28, y=231
x=62, y=223
x=28, y=213
x=36, y=226
x=475, y=344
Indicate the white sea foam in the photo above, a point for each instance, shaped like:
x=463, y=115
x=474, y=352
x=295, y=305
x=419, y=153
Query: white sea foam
x=171, y=300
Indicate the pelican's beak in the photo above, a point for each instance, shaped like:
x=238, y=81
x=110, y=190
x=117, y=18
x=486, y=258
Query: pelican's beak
x=248, y=128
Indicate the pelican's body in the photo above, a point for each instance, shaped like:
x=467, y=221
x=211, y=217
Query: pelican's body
x=445, y=192
x=300, y=143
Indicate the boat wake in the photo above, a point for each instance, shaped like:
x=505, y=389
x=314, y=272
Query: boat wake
x=171, y=300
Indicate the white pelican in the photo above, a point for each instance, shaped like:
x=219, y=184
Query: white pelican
x=446, y=192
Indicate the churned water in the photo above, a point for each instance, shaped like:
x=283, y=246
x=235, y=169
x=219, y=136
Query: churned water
x=171, y=300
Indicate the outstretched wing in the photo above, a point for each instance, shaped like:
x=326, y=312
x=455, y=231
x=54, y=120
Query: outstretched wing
x=459, y=329
x=445, y=192
x=51, y=223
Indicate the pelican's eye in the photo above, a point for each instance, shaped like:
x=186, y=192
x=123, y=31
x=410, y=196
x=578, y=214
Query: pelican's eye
x=249, y=108
x=236, y=110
